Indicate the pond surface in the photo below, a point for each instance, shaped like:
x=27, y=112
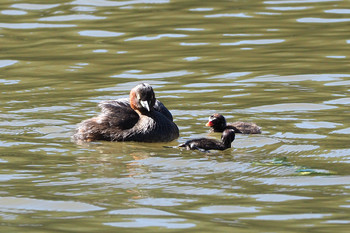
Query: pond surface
x=281, y=64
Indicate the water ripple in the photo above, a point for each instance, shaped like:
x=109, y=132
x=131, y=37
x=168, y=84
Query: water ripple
x=294, y=149
x=317, y=125
x=169, y=74
x=192, y=58
x=29, y=6
x=230, y=76
x=84, y=8
x=285, y=217
x=278, y=197
x=299, y=136
x=192, y=44
x=224, y=209
x=336, y=57
x=7, y=177
x=190, y=29
x=140, y=211
x=255, y=42
x=162, y=201
x=201, y=9
x=44, y=109
x=70, y=18
x=297, y=78
x=342, y=131
x=340, y=83
x=170, y=223
x=306, y=181
x=298, y=1
x=34, y=25
x=341, y=153
x=344, y=101
x=4, y=63
x=321, y=20
x=46, y=205
x=240, y=34
x=9, y=82
x=157, y=37
x=338, y=11
x=292, y=107
x=289, y=8
x=13, y=12
x=238, y=15
x=116, y=3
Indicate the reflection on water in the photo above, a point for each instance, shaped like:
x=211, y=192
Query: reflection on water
x=280, y=64
x=42, y=205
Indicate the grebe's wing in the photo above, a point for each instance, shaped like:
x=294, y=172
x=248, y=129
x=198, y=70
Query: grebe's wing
x=110, y=106
x=159, y=107
x=118, y=113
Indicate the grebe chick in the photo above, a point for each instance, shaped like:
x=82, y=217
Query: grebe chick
x=217, y=123
x=206, y=144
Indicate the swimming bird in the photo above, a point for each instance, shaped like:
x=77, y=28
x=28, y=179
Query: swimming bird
x=140, y=118
x=206, y=144
x=217, y=123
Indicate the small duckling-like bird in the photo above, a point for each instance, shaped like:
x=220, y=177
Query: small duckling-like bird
x=140, y=118
x=217, y=123
x=206, y=144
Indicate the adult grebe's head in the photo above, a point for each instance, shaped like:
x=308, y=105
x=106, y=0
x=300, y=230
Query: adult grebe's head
x=142, y=98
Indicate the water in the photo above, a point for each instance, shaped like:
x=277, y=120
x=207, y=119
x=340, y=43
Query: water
x=281, y=64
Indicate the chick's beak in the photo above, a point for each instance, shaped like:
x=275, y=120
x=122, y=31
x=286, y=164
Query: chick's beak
x=210, y=123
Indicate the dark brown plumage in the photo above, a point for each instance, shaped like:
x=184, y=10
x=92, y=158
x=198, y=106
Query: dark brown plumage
x=217, y=123
x=205, y=144
x=140, y=118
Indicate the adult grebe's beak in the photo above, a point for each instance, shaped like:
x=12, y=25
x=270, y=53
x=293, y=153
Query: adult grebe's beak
x=145, y=104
